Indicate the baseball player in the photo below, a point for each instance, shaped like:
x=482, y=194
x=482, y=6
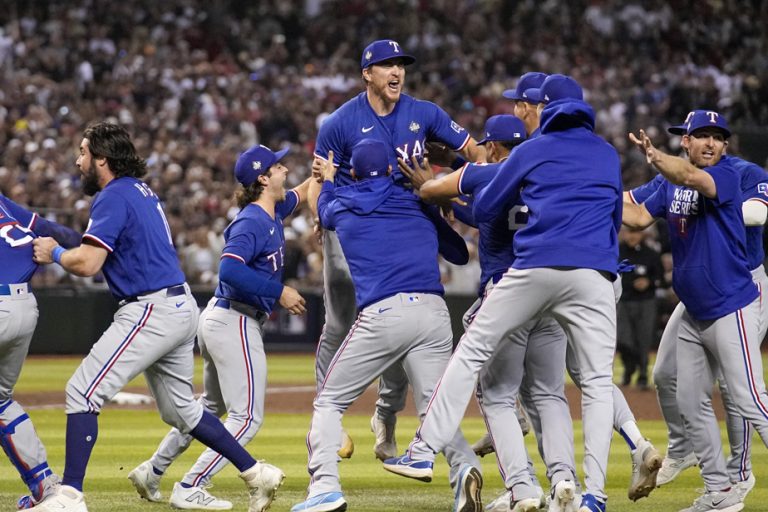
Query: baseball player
x=405, y=124
x=719, y=327
x=680, y=456
x=403, y=318
x=502, y=377
x=566, y=255
x=230, y=329
x=128, y=239
x=18, y=319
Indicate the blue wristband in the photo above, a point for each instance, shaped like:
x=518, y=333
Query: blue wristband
x=57, y=252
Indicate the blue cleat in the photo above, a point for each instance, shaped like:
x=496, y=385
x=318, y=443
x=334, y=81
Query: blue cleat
x=406, y=466
x=591, y=504
x=326, y=502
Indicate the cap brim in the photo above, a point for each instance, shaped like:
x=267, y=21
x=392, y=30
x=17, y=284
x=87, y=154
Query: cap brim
x=407, y=60
x=677, y=130
x=510, y=94
x=280, y=154
x=481, y=142
x=725, y=131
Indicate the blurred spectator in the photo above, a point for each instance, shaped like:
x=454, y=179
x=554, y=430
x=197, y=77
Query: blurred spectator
x=197, y=82
x=637, y=309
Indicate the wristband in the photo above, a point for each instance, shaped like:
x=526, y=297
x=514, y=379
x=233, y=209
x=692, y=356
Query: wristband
x=57, y=252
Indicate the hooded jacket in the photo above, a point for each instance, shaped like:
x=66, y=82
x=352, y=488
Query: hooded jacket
x=389, y=240
x=570, y=179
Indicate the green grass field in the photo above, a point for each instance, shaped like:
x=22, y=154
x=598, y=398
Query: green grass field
x=128, y=437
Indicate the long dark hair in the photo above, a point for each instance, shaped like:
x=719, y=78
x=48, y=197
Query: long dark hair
x=110, y=141
x=246, y=195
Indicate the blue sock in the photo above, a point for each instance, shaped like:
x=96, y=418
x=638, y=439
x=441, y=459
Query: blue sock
x=82, y=431
x=211, y=432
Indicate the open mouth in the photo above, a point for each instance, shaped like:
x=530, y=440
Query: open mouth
x=394, y=85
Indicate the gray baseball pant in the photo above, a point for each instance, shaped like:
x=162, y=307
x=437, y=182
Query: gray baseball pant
x=581, y=300
x=234, y=382
x=411, y=329
x=665, y=379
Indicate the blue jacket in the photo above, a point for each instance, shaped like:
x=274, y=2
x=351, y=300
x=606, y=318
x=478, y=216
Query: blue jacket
x=388, y=240
x=570, y=179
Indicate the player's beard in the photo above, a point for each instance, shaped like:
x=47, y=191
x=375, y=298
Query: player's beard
x=91, y=181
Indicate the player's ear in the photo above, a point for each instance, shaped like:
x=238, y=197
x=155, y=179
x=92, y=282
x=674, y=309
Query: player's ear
x=352, y=173
x=389, y=169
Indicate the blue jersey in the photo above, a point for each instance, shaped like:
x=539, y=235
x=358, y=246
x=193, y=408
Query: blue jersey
x=570, y=180
x=16, y=236
x=405, y=131
x=496, y=236
x=754, y=187
x=257, y=240
x=710, y=274
x=128, y=221
x=388, y=241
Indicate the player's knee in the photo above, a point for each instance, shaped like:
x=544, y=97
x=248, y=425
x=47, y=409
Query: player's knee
x=74, y=399
x=663, y=377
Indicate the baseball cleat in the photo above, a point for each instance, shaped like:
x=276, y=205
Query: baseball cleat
x=501, y=503
x=744, y=487
x=562, y=497
x=196, y=498
x=526, y=505
x=146, y=482
x=347, y=446
x=50, y=485
x=467, y=498
x=590, y=503
x=326, y=502
x=671, y=468
x=717, y=501
x=646, y=462
x=385, y=446
x=484, y=445
x=262, y=480
x=65, y=499
x=406, y=466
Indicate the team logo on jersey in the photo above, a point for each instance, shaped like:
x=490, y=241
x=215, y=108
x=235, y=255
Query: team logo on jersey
x=256, y=166
x=414, y=126
x=456, y=127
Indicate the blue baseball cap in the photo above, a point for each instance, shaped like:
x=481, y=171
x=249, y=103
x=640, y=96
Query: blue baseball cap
x=556, y=87
x=504, y=127
x=706, y=119
x=697, y=119
x=254, y=162
x=370, y=159
x=530, y=80
x=384, y=49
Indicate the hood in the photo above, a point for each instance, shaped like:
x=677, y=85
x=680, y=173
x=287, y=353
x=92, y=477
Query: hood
x=363, y=197
x=565, y=114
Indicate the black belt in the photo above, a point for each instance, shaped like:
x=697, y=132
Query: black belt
x=243, y=309
x=171, y=291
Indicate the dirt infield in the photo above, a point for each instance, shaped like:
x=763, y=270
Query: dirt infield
x=298, y=399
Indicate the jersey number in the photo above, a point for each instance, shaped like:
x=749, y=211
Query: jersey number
x=165, y=223
x=7, y=232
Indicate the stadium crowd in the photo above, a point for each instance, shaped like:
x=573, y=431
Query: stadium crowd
x=197, y=82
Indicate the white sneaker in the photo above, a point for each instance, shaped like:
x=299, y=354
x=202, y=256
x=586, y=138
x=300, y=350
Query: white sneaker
x=262, y=480
x=646, y=463
x=196, y=498
x=501, y=503
x=716, y=501
x=65, y=499
x=671, y=468
x=385, y=446
x=146, y=482
x=484, y=445
x=744, y=487
x=563, y=497
x=347, y=446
